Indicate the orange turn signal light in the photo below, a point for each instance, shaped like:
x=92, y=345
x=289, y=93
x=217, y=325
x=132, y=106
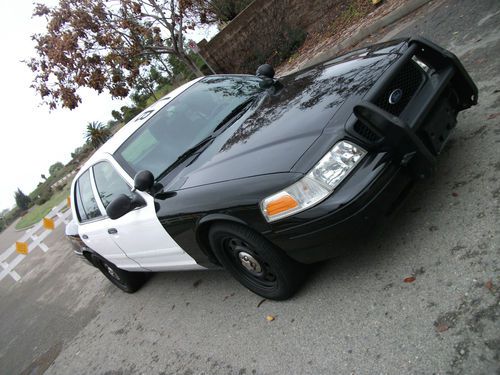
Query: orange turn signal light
x=282, y=204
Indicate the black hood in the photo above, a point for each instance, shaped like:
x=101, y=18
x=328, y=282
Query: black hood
x=280, y=126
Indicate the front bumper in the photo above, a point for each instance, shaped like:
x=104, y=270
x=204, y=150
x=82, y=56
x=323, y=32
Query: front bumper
x=348, y=216
x=402, y=146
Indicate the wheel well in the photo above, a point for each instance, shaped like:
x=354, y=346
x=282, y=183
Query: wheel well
x=202, y=235
x=203, y=241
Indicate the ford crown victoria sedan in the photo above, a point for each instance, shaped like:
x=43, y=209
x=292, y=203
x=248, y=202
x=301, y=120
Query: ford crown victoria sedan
x=262, y=176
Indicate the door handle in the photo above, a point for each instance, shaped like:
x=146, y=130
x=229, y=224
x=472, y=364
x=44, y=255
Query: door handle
x=85, y=237
x=112, y=231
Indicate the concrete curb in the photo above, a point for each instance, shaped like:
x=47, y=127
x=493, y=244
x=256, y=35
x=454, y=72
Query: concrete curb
x=24, y=229
x=358, y=36
x=20, y=230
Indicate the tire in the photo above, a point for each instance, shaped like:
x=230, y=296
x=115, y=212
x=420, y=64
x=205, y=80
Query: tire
x=255, y=262
x=129, y=282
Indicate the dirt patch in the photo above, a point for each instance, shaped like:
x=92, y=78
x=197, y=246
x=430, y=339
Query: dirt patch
x=335, y=27
x=43, y=362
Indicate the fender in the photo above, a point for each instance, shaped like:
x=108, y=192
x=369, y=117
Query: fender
x=187, y=216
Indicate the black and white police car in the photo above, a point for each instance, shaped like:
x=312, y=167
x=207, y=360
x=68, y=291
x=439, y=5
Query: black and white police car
x=262, y=176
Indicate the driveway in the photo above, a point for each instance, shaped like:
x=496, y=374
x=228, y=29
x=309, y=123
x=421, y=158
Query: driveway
x=355, y=315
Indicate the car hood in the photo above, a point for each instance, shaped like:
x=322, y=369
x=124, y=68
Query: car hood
x=276, y=130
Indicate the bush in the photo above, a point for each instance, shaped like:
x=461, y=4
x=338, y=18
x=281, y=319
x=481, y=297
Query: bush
x=283, y=44
x=61, y=187
x=10, y=217
x=55, y=167
x=291, y=41
x=44, y=196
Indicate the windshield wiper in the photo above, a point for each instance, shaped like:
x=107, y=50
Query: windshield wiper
x=237, y=110
x=191, y=150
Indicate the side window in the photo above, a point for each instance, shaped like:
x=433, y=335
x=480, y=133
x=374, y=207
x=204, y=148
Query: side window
x=109, y=183
x=86, y=205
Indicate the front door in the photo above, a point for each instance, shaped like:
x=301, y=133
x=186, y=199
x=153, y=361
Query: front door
x=92, y=221
x=139, y=233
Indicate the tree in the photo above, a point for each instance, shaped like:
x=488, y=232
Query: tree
x=117, y=115
x=105, y=45
x=156, y=77
x=215, y=11
x=96, y=133
x=129, y=112
x=22, y=200
x=43, y=176
x=55, y=167
x=3, y=221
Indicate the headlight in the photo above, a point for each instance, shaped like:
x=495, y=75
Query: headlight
x=318, y=184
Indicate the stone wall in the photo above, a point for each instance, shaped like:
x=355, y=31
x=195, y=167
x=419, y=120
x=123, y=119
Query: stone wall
x=250, y=38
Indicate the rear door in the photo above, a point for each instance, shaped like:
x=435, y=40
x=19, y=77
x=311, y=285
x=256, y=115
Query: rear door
x=139, y=233
x=91, y=224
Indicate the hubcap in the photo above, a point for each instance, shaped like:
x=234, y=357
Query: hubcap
x=249, y=262
x=243, y=256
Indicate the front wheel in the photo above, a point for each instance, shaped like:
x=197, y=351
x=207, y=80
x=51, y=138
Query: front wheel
x=127, y=281
x=255, y=262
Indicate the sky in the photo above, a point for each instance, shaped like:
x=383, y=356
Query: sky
x=31, y=137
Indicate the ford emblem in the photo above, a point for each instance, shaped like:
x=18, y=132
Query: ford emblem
x=395, y=96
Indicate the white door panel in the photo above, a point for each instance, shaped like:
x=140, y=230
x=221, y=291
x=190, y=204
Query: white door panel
x=92, y=222
x=95, y=238
x=140, y=235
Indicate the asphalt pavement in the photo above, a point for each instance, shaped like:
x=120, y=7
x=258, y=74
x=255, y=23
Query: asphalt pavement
x=10, y=234
x=355, y=315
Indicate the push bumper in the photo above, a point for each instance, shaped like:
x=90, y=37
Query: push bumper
x=417, y=135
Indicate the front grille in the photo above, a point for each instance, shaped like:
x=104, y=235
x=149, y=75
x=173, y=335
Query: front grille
x=408, y=80
x=365, y=132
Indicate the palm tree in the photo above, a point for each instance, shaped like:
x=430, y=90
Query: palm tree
x=96, y=133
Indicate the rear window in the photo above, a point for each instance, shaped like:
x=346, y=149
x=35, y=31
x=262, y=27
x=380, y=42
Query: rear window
x=85, y=202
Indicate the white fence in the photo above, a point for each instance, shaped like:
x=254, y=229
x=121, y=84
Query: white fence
x=32, y=239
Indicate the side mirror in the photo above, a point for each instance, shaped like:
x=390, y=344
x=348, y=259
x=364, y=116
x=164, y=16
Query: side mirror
x=144, y=180
x=122, y=205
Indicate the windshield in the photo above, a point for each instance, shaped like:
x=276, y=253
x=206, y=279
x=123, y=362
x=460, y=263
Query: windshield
x=184, y=122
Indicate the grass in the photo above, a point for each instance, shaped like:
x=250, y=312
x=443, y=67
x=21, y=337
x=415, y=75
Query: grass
x=352, y=13
x=37, y=213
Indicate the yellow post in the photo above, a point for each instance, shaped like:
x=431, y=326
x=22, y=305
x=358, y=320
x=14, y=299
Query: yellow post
x=48, y=223
x=68, y=201
x=22, y=247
